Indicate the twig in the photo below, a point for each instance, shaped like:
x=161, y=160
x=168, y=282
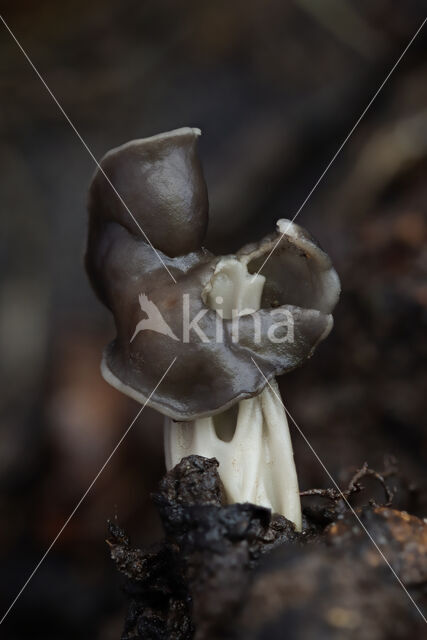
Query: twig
x=354, y=485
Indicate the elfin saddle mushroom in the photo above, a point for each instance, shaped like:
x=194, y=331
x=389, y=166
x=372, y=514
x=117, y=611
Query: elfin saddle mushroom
x=231, y=329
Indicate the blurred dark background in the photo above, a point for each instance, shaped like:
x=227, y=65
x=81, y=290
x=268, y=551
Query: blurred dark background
x=275, y=87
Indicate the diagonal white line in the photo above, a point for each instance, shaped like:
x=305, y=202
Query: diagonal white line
x=36, y=568
x=50, y=92
x=342, y=145
x=344, y=497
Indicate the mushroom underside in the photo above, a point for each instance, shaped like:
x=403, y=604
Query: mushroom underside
x=207, y=379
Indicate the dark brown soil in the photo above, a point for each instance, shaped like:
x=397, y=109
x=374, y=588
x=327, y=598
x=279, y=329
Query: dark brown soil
x=236, y=571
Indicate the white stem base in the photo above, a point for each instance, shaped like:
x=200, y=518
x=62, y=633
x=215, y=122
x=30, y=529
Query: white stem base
x=254, y=452
x=251, y=441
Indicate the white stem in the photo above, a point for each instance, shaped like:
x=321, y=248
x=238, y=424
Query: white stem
x=252, y=444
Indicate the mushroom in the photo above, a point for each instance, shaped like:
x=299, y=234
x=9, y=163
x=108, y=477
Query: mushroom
x=230, y=328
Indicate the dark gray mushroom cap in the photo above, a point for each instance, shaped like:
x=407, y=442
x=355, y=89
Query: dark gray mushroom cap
x=161, y=181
